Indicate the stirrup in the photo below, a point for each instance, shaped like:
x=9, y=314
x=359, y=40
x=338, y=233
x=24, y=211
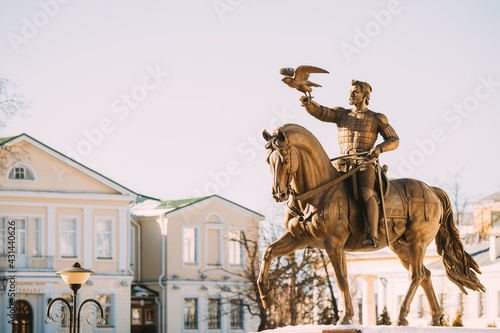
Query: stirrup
x=369, y=241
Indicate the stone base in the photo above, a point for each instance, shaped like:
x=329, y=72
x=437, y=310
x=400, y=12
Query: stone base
x=376, y=329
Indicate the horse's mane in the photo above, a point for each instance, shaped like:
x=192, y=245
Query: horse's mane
x=301, y=137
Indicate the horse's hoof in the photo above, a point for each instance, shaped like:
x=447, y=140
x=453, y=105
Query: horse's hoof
x=344, y=321
x=435, y=321
x=267, y=299
x=403, y=322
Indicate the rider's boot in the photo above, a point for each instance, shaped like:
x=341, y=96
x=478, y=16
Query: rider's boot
x=372, y=215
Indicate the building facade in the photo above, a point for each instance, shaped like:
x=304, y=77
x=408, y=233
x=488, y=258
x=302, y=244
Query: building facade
x=186, y=251
x=55, y=211
x=487, y=216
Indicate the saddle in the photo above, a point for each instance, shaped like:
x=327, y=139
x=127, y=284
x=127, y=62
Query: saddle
x=404, y=199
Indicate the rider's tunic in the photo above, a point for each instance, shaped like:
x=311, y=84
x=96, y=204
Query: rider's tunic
x=357, y=133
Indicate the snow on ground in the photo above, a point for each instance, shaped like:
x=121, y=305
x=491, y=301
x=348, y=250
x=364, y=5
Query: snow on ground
x=380, y=329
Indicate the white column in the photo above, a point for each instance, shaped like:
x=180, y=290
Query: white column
x=316, y=309
x=51, y=231
x=369, y=315
x=88, y=245
x=123, y=239
x=382, y=294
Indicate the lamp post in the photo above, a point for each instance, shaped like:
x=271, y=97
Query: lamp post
x=74, y=277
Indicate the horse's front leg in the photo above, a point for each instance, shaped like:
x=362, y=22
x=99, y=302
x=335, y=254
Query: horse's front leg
x=286, y=245
x=336, y=254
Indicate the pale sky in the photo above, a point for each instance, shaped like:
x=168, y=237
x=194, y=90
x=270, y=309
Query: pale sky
x=169, y=98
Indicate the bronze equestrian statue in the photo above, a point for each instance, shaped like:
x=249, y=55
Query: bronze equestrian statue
x=322, y=212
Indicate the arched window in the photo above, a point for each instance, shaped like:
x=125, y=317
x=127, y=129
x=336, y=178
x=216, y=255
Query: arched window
x=213, y=218
x=21, y=172
x=23, y=323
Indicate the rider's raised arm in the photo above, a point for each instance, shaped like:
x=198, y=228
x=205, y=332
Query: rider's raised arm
x=323, y=113
x=391, y=139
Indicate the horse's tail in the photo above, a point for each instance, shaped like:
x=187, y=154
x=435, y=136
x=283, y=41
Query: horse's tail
x=459, y=265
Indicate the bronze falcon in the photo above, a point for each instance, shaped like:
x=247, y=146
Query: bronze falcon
x=300, y=79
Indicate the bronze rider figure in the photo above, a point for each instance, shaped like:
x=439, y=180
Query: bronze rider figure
x=358, y=129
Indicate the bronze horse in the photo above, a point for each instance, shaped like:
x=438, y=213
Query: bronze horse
x=330, y=220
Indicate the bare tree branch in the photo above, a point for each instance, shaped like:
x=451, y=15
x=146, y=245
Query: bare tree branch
x=11, y=105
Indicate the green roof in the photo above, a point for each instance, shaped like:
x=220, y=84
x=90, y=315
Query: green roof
x=174, y=205
x=8, y=138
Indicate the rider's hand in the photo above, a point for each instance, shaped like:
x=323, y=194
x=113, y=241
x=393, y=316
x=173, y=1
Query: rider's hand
x=305, y=100
x=374, y=152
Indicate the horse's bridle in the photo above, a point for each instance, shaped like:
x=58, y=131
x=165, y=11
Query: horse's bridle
x=285, y=153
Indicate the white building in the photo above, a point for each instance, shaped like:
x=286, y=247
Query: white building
x=53, y=212
x=183, y=250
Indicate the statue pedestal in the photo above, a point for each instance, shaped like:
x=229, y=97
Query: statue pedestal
x=376, y=329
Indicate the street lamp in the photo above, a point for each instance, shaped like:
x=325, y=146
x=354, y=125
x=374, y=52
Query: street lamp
x=74, y=277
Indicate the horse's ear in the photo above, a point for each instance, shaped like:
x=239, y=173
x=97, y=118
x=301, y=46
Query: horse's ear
x=266, y=135
x=281, y=135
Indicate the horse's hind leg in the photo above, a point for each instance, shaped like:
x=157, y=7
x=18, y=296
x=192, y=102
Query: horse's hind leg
x=287, y=244
x=337, y=258
x=412, y=264
x=431, y=298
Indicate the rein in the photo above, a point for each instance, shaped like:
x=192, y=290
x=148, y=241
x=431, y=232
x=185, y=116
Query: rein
x=324, y=187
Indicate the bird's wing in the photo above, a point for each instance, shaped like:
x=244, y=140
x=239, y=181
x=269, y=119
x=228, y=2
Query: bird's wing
x=302, y=72
x=312, y=84
x=287, y=71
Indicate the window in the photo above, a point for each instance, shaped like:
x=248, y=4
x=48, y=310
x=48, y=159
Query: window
x=106, y=301
x=21, y=228
x=236, y=313
x=136, y=316
x=213, y=247
x=3, y=235
x=189, y=245
x=235, y=247
x=214, y=313
x=481, y=302
x=68, y=237
x=103, y=238
x=23, y=231
x=190, y=313
x=495, y=219
x=21, y=172
x=36, y=242
x=213, y=218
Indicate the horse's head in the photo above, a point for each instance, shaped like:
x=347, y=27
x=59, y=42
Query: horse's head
x=279, y=158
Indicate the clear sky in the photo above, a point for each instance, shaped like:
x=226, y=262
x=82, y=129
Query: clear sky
x=169, y=98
